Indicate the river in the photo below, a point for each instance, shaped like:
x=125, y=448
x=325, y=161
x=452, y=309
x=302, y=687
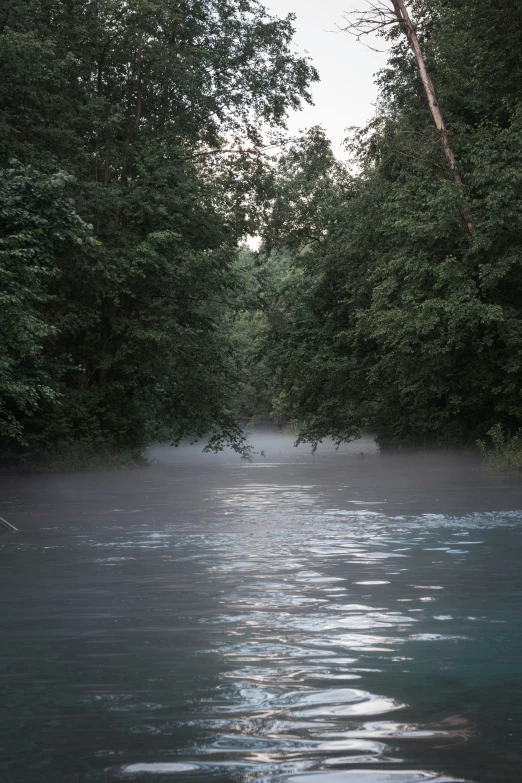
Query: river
x=345, y=618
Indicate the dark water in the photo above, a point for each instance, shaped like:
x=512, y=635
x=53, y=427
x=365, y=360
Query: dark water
x=345, y=620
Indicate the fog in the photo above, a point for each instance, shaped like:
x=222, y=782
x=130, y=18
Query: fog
x=268, y=445
x=296, y=618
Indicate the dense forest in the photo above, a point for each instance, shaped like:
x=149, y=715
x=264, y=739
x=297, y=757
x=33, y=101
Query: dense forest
x=137, y=155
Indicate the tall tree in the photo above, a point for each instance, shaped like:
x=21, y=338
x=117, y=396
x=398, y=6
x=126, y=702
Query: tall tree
x=139, y=101
x=38, y=227
x=377, y=19
x=396, y=321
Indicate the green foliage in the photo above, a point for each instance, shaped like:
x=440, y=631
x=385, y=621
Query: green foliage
x=86, y=454
x=127, y=313
x=504, y=451
x=398, y=321
x=115, y=342
x=38, y=226
x=260, y=315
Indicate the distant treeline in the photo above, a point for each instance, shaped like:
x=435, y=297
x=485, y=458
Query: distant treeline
x=386, y=295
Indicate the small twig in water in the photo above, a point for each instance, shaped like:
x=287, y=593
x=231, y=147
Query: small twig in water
x=7, y=525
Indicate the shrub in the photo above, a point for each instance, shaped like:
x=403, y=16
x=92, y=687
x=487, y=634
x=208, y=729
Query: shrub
x=504, y=451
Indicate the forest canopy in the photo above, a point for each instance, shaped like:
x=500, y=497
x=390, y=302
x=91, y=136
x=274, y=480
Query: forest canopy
x=401, y=312
x=386, y=296
x=121, y=213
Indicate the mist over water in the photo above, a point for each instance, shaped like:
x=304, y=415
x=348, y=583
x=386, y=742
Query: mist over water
x=343, y=617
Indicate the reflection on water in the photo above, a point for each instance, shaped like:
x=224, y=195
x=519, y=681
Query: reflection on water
x=337, y=620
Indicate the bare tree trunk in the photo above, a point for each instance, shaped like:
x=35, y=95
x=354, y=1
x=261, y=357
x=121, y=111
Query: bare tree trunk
x=403, y=17
x=377, y=18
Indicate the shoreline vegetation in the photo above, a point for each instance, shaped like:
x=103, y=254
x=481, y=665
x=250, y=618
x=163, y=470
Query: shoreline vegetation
x=505, y=451
x=74, y=458
x=504, y=455
x=142, y=143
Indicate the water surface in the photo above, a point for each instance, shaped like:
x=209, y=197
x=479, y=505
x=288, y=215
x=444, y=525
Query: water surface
x=346, y=618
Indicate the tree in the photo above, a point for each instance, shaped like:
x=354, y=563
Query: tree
x=378, y=18
x=38, y=226
x=140, y=101
x=396, y=321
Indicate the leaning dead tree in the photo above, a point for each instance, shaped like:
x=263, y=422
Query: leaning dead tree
x=377, y=18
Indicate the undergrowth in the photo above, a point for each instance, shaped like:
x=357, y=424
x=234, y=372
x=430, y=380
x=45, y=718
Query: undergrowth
x=503, y=451
x=74, y=456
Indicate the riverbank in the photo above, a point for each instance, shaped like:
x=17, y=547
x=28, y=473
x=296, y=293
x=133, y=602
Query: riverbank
x=501, y=453
x=73, y=457
x=264, y=442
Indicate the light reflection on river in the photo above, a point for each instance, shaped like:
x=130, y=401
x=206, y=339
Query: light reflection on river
x=346, y=619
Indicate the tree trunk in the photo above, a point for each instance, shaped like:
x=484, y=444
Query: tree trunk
x=114, y=219
x=137, y=115
x=401, y=12
x=403, y=17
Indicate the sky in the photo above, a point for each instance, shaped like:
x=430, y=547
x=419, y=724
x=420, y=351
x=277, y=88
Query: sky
x=346, y=93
